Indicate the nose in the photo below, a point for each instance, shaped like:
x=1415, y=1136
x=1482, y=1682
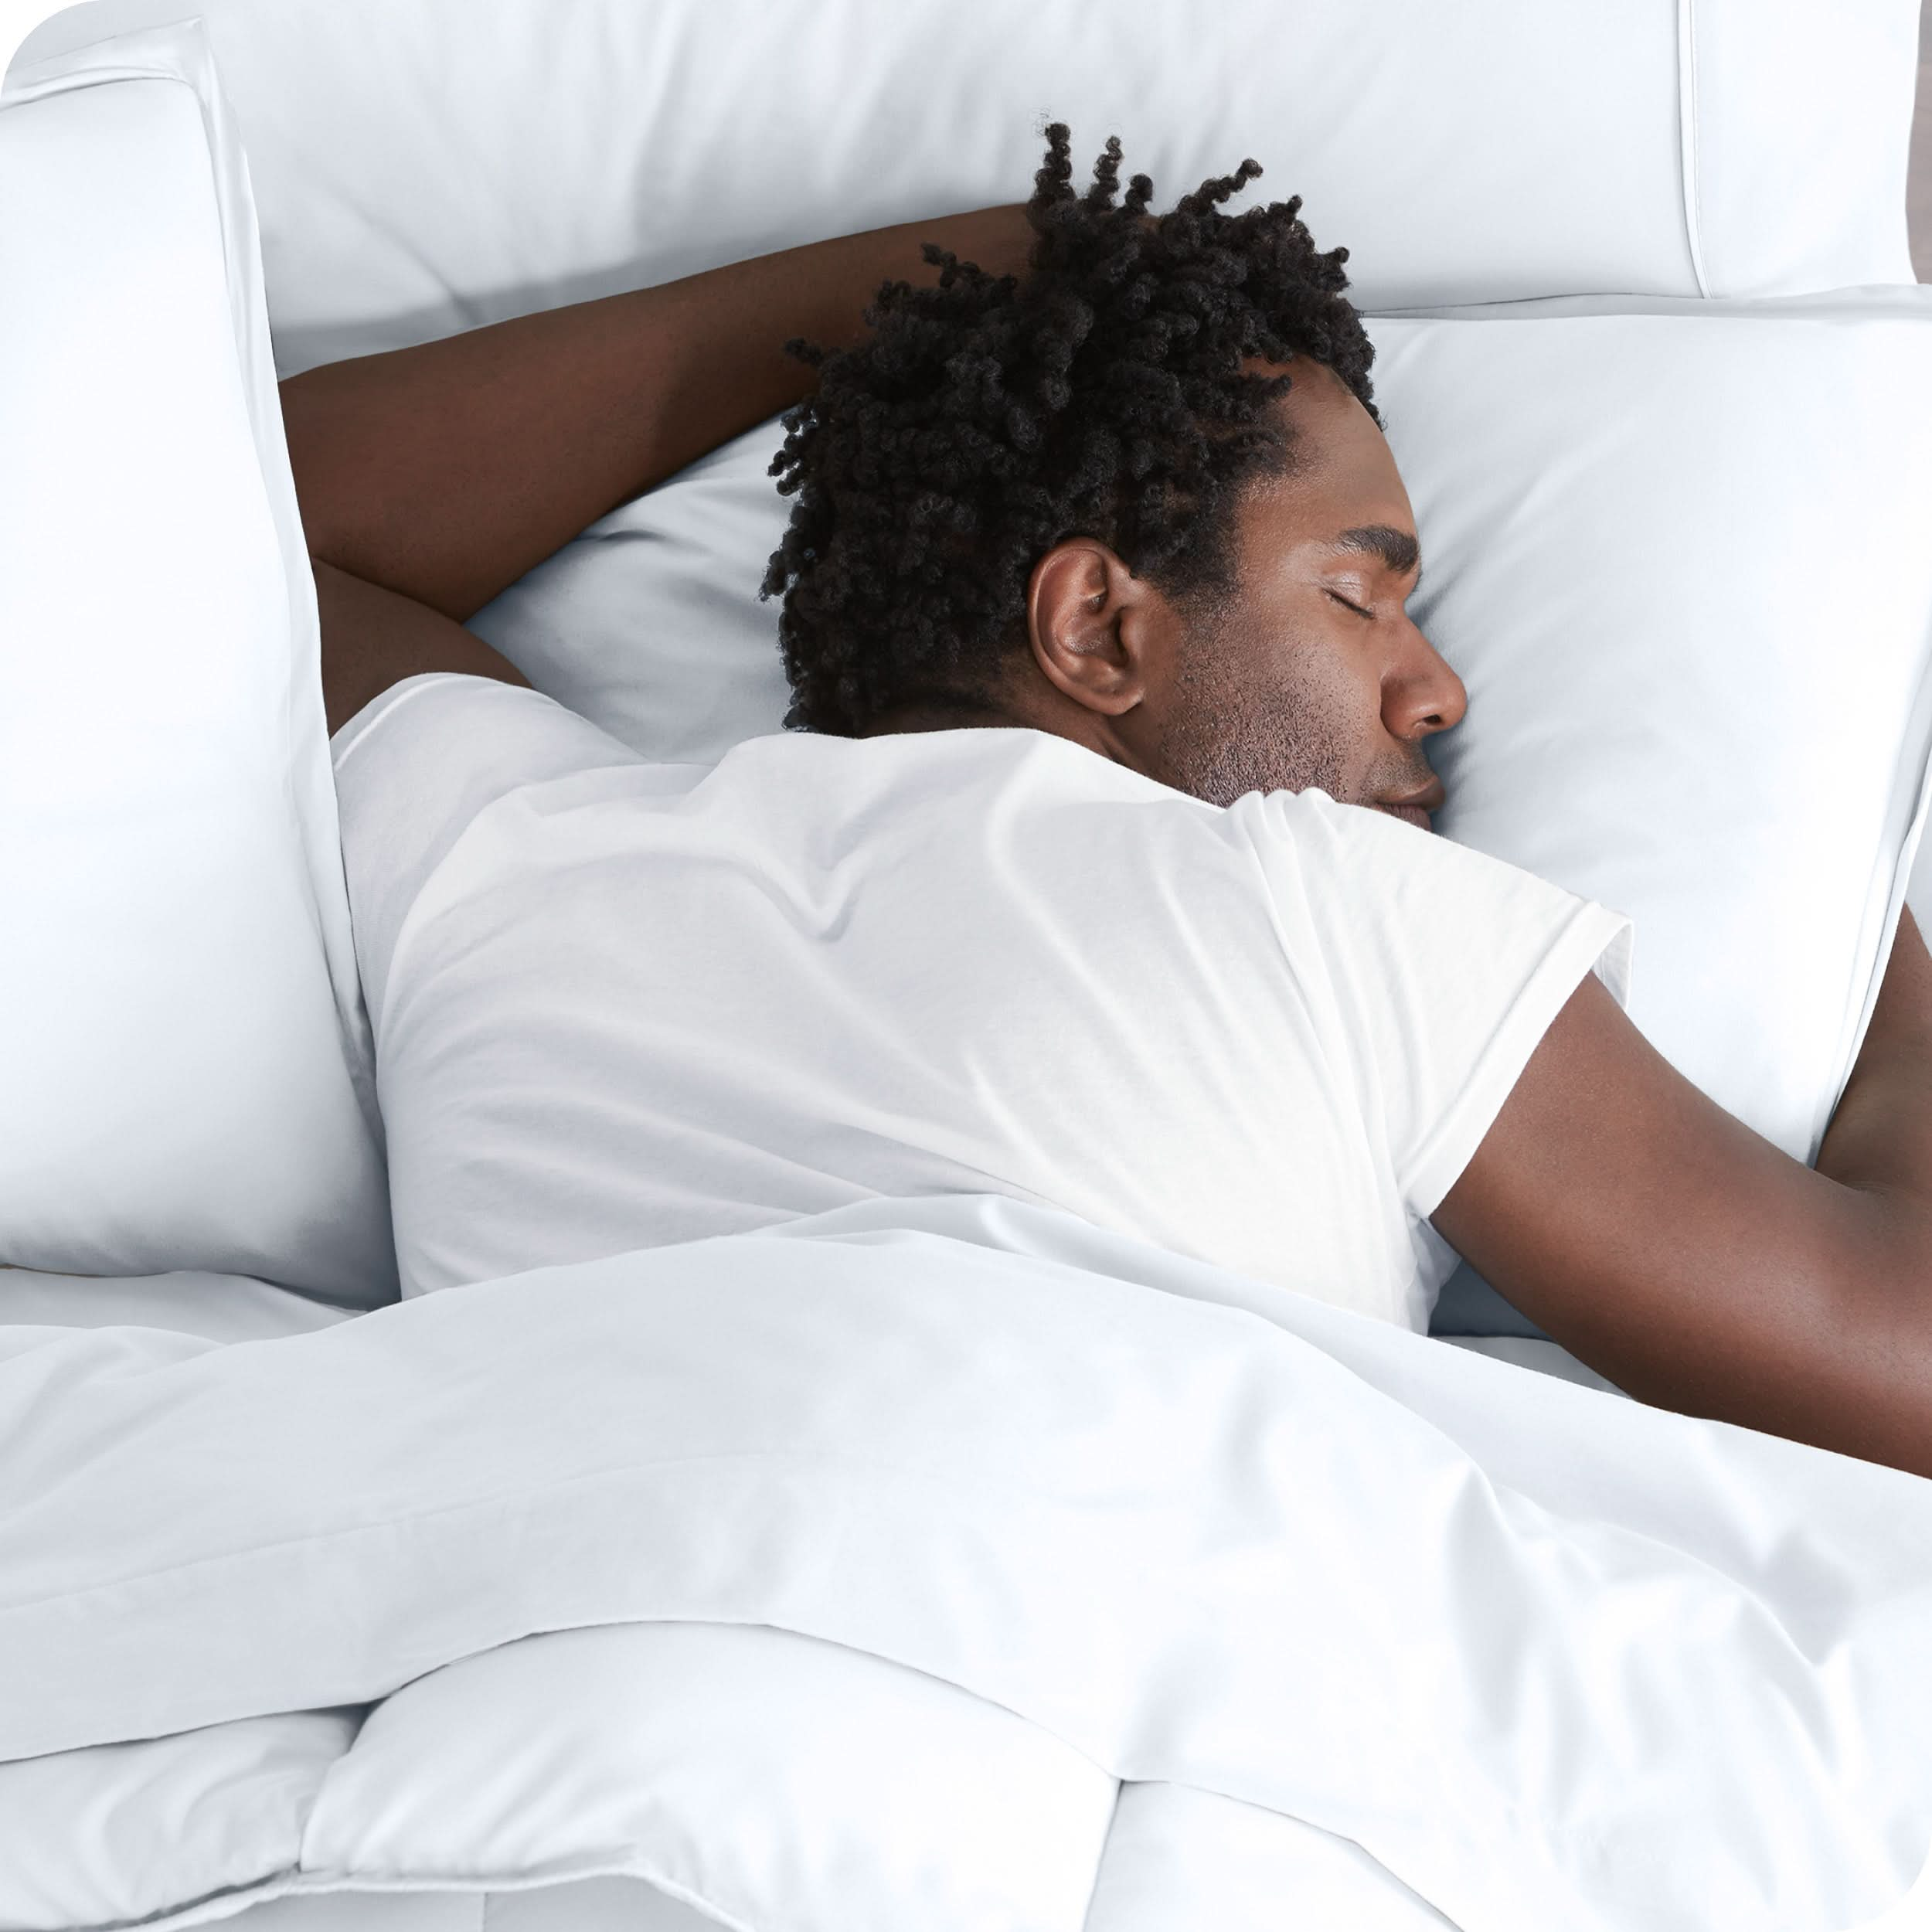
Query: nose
x=1422, y=694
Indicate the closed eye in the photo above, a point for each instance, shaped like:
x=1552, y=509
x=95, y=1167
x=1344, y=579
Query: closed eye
x=1347, y=605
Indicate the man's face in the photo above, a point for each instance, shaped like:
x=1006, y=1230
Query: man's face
x=1312, y=672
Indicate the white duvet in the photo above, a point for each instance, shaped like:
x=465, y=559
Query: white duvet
x=945, y=1564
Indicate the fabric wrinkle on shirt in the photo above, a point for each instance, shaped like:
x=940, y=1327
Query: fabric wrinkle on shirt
x=617, y=1004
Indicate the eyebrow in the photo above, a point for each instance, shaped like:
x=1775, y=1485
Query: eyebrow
x=1396, y=548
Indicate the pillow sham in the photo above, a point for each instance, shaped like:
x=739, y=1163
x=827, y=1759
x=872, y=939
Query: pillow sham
x=1678, y=558
x=423, y=166
x=182, y=1015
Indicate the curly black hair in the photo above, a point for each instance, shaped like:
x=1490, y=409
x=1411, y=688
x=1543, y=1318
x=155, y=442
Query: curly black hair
x=985, y=420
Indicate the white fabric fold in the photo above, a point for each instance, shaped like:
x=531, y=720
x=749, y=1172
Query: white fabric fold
x=1549, y=1655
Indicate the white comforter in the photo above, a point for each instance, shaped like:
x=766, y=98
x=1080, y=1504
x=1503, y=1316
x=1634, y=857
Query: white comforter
x=1023, y=1510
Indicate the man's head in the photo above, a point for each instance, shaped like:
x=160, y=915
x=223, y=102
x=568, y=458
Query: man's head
x=1139, y=496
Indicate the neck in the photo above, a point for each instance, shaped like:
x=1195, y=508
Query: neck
x=953, y=714
x=939, y=717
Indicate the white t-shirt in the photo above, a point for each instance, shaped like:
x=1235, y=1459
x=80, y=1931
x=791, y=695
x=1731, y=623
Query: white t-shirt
x=617, y=1004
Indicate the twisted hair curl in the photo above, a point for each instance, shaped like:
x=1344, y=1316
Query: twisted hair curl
x=985, y=420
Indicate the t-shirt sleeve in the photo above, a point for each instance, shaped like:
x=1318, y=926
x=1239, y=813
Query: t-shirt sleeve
x=416, y=765
x=1445, y=967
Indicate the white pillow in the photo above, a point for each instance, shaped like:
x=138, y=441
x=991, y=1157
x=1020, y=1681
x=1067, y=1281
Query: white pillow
x=1679, y=558
x=181, y=1007
x=1730, y=740
x=424, y=166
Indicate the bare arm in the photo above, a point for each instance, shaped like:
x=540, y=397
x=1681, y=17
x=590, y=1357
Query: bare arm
x=1701, y=1269
x=445, y=472
x=1880, y=1137
x=374, y=637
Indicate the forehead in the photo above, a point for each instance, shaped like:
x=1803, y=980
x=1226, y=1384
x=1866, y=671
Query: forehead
x=1343, y=476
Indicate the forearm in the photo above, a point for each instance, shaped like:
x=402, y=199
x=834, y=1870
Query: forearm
x=447, y=470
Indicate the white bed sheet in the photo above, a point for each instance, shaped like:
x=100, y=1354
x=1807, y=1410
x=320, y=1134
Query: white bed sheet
x=234, y=1307
x=1177, y=1861
x=609, y=1904
x=1619, y=1581
x=1171, y=1853
x=223, y=1307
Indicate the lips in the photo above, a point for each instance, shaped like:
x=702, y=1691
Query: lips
x=1416, y=806
x=1414, y=813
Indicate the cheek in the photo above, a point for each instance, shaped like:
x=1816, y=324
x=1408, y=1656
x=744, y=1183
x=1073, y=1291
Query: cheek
x=1292, y=673
x=1326, y=681
x=1318, y=651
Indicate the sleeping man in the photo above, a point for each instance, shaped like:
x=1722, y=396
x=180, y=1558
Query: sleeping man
x=1094, y=866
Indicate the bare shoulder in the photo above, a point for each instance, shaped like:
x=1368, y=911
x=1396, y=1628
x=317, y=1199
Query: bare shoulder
x=1662, y=1241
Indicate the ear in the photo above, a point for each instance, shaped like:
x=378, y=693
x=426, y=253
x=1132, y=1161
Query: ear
x=1093, y=626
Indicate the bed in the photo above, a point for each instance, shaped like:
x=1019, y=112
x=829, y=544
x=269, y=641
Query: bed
x=944, y=1561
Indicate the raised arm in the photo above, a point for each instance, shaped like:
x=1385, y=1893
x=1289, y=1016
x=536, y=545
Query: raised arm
x=1701, y=1269
x=445, y=472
